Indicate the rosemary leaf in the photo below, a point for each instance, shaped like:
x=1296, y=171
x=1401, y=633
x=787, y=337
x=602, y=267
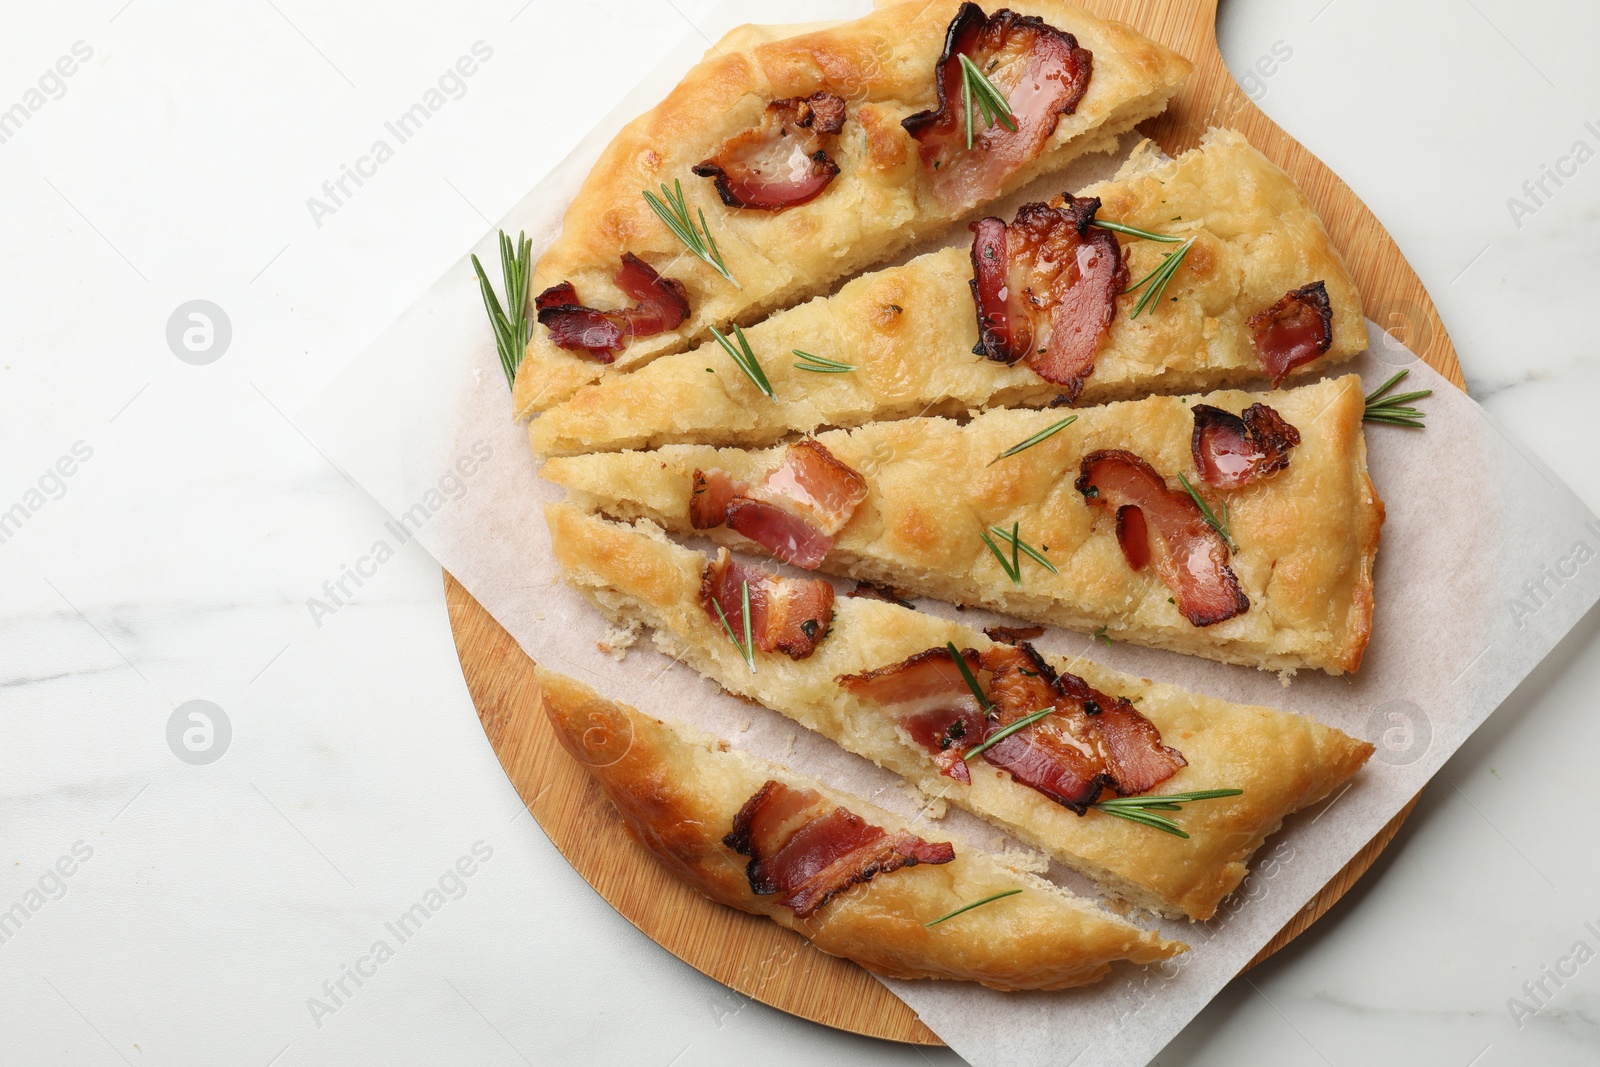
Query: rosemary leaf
x=1391, y=410
x=967, y=676
x=1142, y=809
x=1221, y=526
x=1017, y=543
x=1158, y=278
x=1000, y=735
x=746, y=647
x=820, y=365
x=743, y=358
x=976, y=88
x=674, y=211
x=1117, y=227
x=1023, y=446
x=1013, y=571
x=512, y=332
x=974, y=904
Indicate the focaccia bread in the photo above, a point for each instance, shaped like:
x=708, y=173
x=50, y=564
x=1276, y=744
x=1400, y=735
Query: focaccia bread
x=909, y=331
x=1306, y=534
x=879, y=69
x=679, y=793
x=1282, y=762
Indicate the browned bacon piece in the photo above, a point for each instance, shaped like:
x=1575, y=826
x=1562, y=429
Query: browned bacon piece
x=788, y=615
x=781, y=162
x=1042, y=73
x=660, y=304
x=810, y=850
x=794, y=514
x=1294, y=331
x=1231, y=451
x=1188, y=555
x=1046, y=289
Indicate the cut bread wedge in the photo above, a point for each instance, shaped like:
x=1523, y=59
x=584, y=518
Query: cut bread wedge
x=909, y=331
x=680, y=794
x=1282, y=762
x=885, y=191
x=1306, y=535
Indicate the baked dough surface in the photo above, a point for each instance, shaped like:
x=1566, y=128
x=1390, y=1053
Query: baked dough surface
x=910, y=330
x=880, y=203
x=1283, y=762
x=678, y=792
x=1307, y=535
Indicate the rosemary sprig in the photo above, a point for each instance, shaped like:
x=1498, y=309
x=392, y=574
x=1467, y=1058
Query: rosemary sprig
x=675, y=213
x=821, y=366
x=743, y=358
x=974, y=904
x=746, y=648
x=1029, y=550
x=1131, y=231
x=1101, y=635
x=512, y=332
x=1023, y=446
x=1221, y=526
x=975, y=87
x=1143, y=809
x=966, y=676
x=1013, y=567
x=1159, y=278
x=1391, y=410
x=1011, y=728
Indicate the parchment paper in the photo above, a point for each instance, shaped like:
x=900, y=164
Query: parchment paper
x=1486, y=562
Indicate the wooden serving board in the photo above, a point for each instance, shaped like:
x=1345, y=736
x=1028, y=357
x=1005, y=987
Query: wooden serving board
x=761, y=959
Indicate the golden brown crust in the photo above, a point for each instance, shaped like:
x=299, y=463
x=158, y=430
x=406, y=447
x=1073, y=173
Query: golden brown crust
x=1283, y=762
x=678, y=793
x=1260, y=237
x=879, y=204
x=1307, y=536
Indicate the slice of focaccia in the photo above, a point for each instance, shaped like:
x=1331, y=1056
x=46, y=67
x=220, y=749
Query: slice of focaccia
x=909, y=332
x=861, y=685
x=803, y=159
x=745, y=833
x=1107, y=540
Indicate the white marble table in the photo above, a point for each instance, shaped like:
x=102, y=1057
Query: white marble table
x=173, y=524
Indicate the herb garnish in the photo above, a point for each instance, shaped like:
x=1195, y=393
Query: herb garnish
x=746, y=648
x=675, y=213
x=974, y=904
x=1100, y=635
x=991, y=101
x=513, y=331
x=1011, y=728
x=819, y=365
x=1018, y=543
x=1221, y=526
x=1131, y=231
x=1143, y=809
x=966, y=676
x=1022, y=446
x=1013, y=567
x=1158, y=278
x=1391, y=410
x=743, y=358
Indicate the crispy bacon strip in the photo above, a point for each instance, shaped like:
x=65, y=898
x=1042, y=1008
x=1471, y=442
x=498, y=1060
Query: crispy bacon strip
x=788, y=615
x=794, y=514
x=781, y=162
x=1189, y=556
x=1042, y=73
x=1090, y=743
x=1046, y=289
x=1294, y=331
x=1231, y=451
x=660, y=304
x=810, y=850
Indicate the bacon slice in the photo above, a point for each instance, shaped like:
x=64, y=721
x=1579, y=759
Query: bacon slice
x=1231, y=451
x=1188, y=555
x=794, y=514
x=1042, y=73
x=788, y=615
x=1133, y=536
x=810, y=850
x=781, y=162
x=1294, y=331
x=1012, y=635
x=1090, y=743
x=660, y=304
x=1046, y=289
